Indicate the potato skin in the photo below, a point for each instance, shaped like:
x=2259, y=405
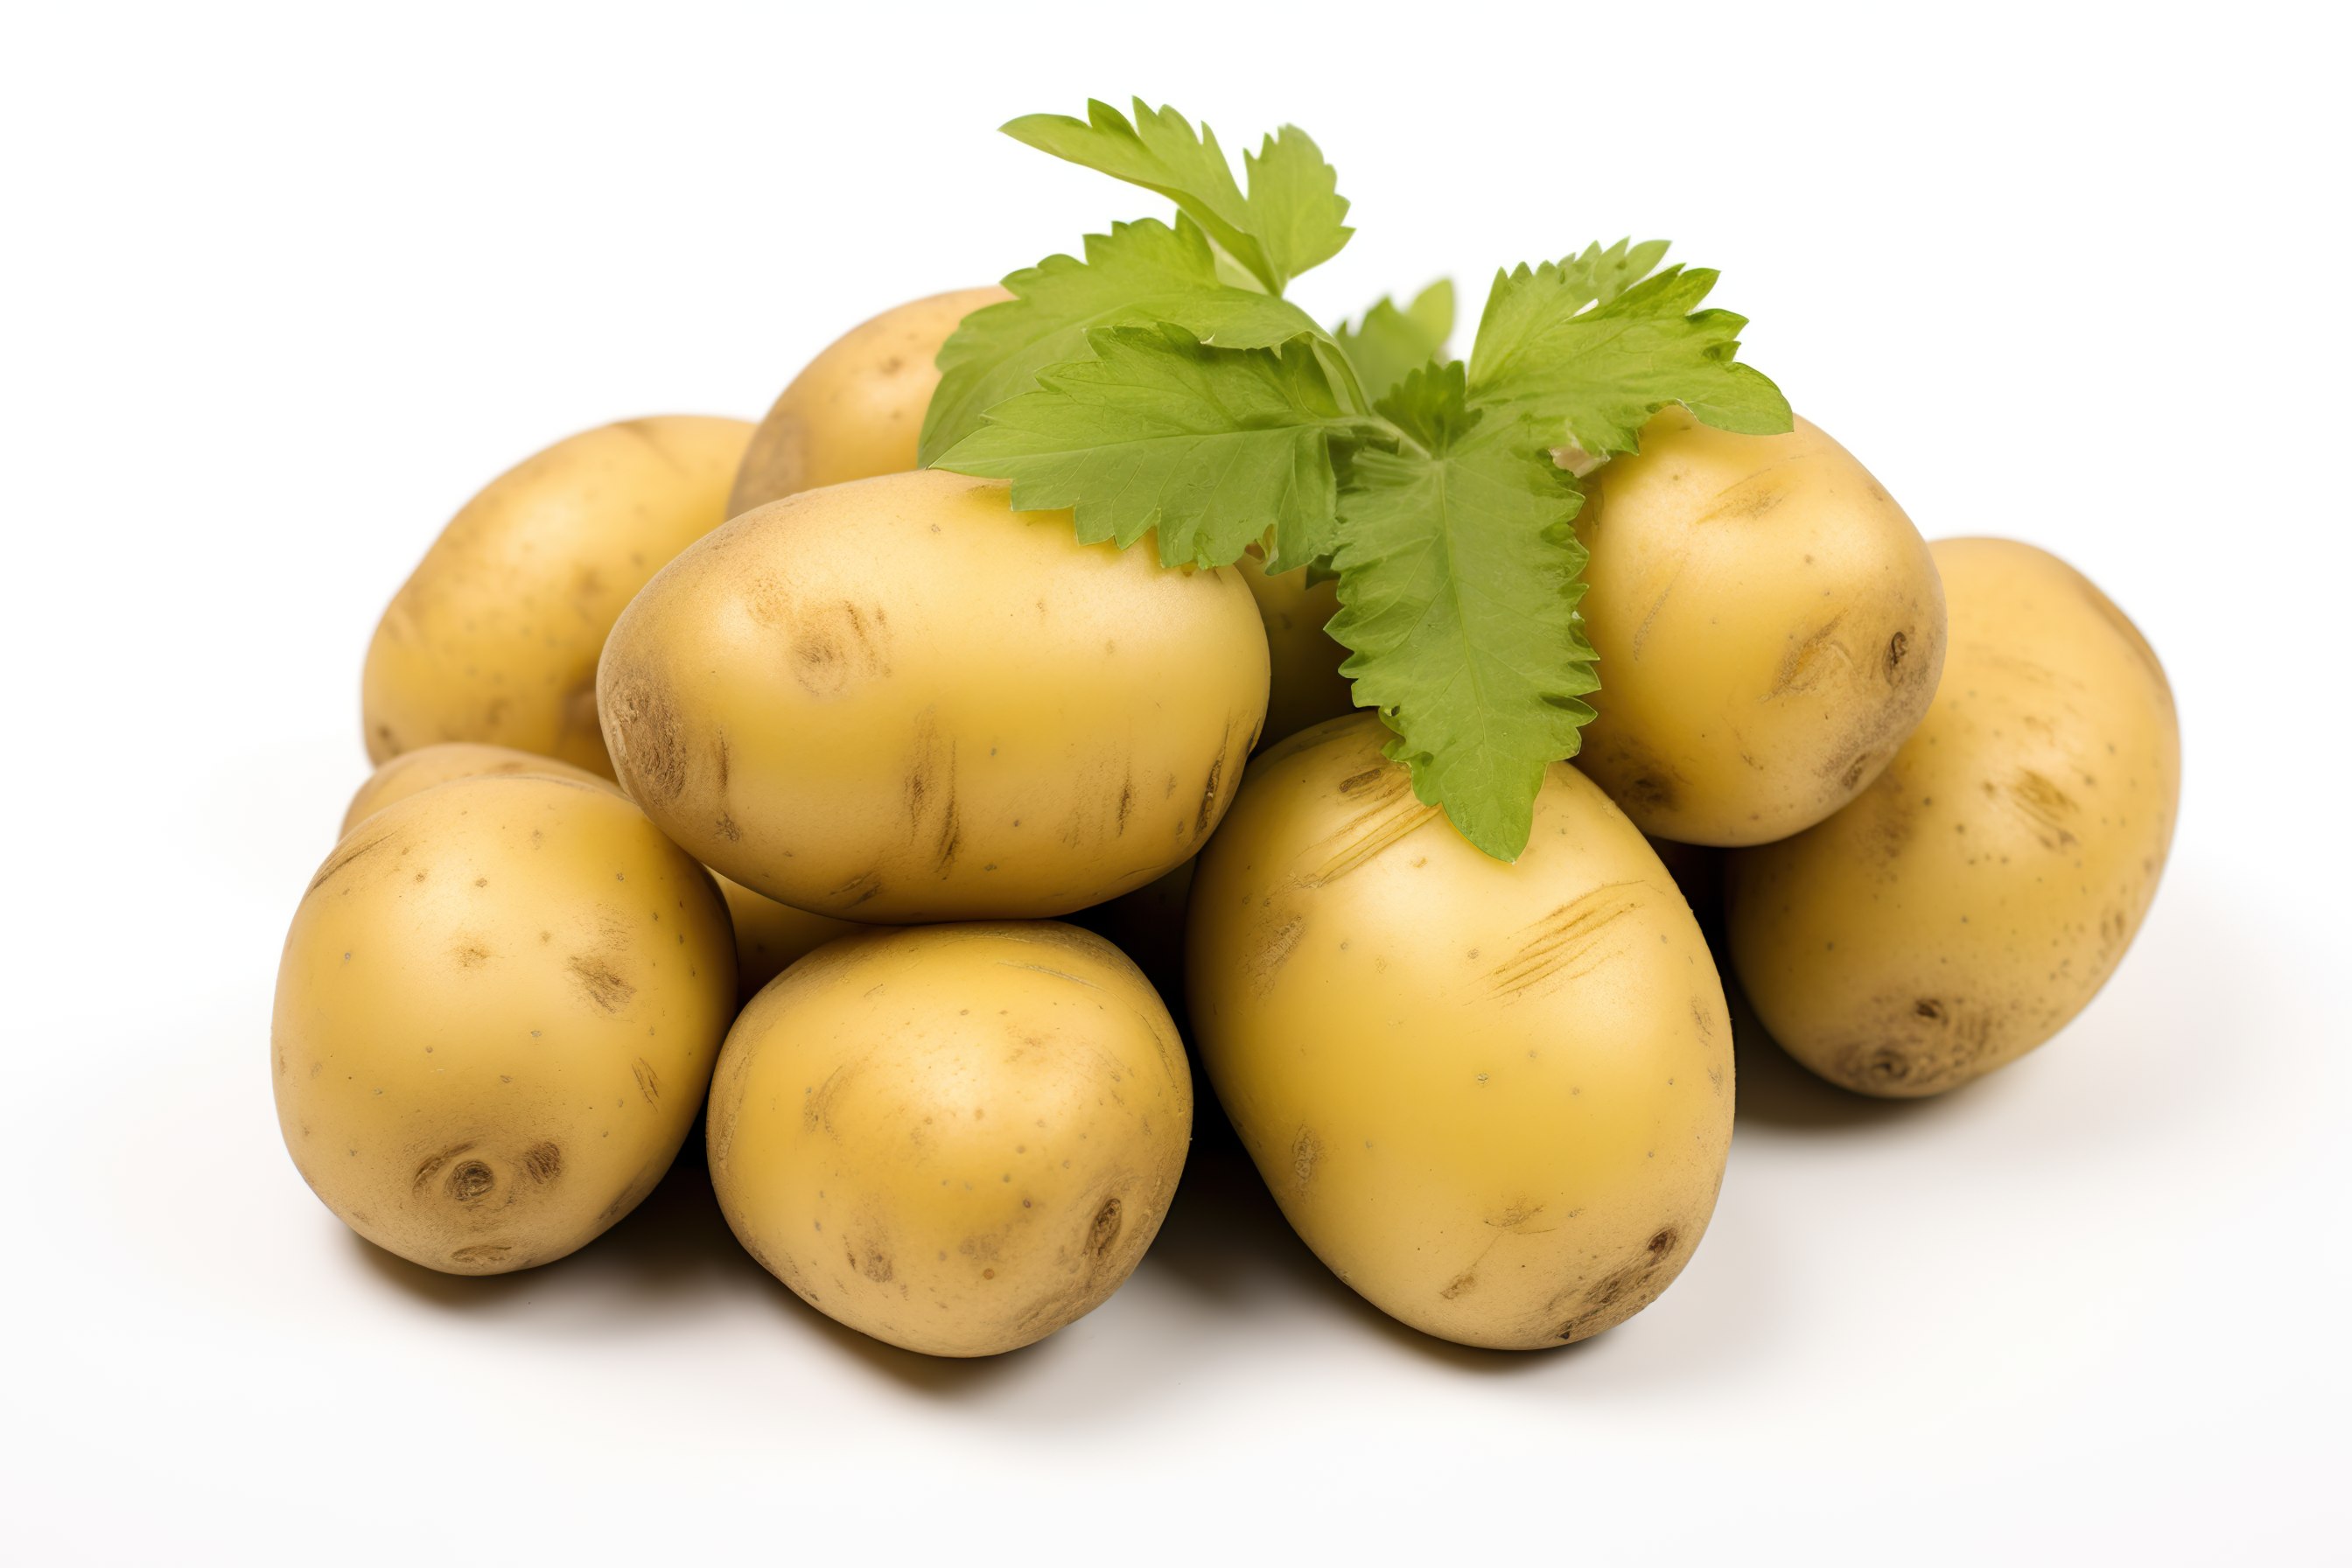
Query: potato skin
x=495, y=636
x=1979, y=894
x=956, y=1139
x=412, y=773
x=1495, y=1098
x=770, y=937
x=498, y=1008
x=898, y=701
x=856, y=410
x=1306, y=687
x=1770, y=629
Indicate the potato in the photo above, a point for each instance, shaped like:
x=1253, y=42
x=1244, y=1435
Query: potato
x=769, y=937
x=856, y=410
x=956, y=1139
x=411, y=773
x=495, y=636
x=497, y=1012
x=1306, y=687
x=1495, y=1098
x=899, y=700
x=1770, y=629
x=1979, y=894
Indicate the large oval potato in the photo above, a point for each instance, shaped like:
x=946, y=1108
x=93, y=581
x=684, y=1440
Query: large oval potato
x=768, y=935
x=955, y=1138
x=498, y=1008
x=495, y=636
x=1495, y=1098
x=856, y=410
x=1979, y=894
x=1768, y=625
x=899, y=700
x=1306, y=687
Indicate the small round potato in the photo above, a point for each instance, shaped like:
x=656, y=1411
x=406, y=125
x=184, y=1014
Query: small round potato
x=856, y=410
x=1768, y=625
x=899, y=700
x=956, y=1139
x=497, y=1012
x=1495, y=1098
x=1306, y=687
x=1976, y=897
x=495, y=636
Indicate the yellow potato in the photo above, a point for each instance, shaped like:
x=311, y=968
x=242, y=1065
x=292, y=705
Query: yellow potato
x=411, y=773
x=1495, y=1098
x=495, y=636
x=956, y=1139
x=497, y=1013
x=1770, y=629
x=769, y=937
x=858, y=409
x=1306, y=687
x=899, y=700
x=1977, y=896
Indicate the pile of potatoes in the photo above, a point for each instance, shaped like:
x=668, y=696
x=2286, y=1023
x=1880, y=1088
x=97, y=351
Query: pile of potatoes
x=754, y=769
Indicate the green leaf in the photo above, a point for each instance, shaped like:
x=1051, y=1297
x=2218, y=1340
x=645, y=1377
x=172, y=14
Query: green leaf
x=1458, y=588
x=1138, y=275
x=1580, y=346
x=1212, y=446
x=1288, y=221
x=1391, y=342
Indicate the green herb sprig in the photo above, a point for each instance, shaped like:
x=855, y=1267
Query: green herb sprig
x=1163, y=385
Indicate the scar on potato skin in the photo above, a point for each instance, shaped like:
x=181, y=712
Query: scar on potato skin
x=1305, y=1150
x=604, y=985
x=1916, y=1043
x=648, y=736
x=1623, y=1290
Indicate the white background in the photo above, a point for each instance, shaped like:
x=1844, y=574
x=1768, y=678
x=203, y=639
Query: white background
x=283, y=287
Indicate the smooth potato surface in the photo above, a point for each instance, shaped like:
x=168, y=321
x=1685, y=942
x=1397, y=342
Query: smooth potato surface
x=411, y=773
x=770, y=937
x=495, y=637
x=1306, y=687
x=1979, y=894
x=899, y=700
x=955, y=1138
x=1495, y=1098
x=1770, y=628
x=856, y=410
x=497, y=1011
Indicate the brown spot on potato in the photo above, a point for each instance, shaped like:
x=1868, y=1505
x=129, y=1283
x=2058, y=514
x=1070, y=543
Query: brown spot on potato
x=1897, y=647
x=647, y=736
x=605, y=985
x=471, y=1180
x=1460, y=1284
x=2046, y=807
x=876, y=1267
x=1597, y=1304
x=1907, y=1044
x=481, y=1252
x=431, y=1167
x=1362, y=781
x=542, y=1161
x=470, y=955
x=1105, y=1229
